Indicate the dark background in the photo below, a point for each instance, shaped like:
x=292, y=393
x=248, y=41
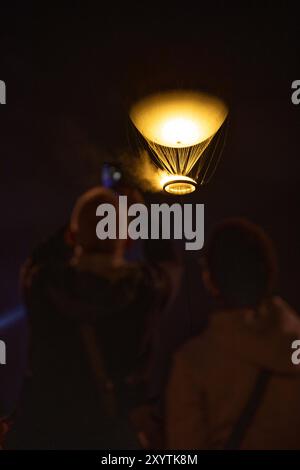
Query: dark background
x=71, y=74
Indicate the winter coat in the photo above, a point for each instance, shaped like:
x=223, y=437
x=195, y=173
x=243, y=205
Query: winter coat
x=214, y=374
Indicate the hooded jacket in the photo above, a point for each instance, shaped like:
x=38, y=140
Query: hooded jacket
x=214, y=374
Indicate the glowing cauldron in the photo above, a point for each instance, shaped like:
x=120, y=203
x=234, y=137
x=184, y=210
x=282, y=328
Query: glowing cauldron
x=176, y=128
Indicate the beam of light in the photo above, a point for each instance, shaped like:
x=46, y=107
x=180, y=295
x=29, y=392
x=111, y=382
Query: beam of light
x=178, y=126
x=10, y=317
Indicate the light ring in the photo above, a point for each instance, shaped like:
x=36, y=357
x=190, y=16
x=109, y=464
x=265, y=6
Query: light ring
x=180, y=186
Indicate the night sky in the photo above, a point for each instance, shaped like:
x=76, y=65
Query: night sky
x=71, y=75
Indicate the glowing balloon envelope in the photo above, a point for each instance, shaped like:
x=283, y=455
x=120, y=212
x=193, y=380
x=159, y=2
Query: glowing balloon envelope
x=177, y=127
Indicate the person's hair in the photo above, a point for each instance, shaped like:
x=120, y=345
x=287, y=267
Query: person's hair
x=84, y=220
x=242, y=263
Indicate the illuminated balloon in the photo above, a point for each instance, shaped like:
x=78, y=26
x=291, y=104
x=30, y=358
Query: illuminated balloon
x=176, y=128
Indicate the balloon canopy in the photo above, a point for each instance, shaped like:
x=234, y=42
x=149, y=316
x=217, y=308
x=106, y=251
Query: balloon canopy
x=177, y=127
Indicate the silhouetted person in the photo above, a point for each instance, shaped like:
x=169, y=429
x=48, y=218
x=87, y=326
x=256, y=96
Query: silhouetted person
x=13, y=364
x=89, y=311
x=235, y=386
